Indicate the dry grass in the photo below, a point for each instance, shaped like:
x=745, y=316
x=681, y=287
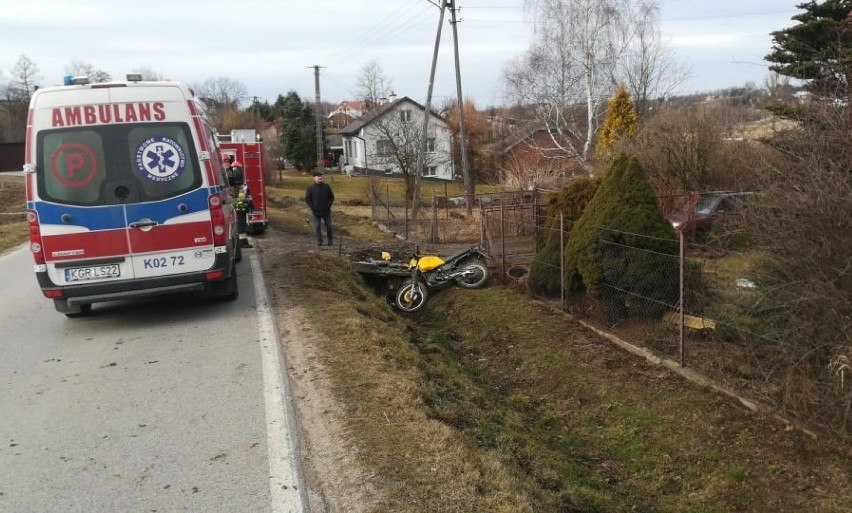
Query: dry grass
x=13, y=226
x=490, y=401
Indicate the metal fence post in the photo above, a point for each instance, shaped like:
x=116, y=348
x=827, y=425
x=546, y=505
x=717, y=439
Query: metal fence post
x=435, y=237
x=680, y=327
x=561, y=260
x=502, y=240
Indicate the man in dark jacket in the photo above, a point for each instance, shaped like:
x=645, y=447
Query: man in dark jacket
x=319, y=198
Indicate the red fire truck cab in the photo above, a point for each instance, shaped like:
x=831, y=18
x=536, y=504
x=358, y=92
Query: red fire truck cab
x=245, y=147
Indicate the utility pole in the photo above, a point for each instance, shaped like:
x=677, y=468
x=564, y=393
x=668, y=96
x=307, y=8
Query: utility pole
x=421, y=155
x=468, y=183
x=318, y=117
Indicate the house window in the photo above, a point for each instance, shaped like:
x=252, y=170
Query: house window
x=430, y=171
x=430, y=145
x=383, y=147
x=405, y=116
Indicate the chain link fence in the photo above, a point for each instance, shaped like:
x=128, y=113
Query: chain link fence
x=695, y=305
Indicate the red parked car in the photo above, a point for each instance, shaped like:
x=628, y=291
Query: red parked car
x=710, y=207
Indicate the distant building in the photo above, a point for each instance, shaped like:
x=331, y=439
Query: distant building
x=376, y=143
x=344, y=114
x=353, y=109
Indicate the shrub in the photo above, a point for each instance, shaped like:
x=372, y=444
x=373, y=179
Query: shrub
x=619, y=247
x=568, y=204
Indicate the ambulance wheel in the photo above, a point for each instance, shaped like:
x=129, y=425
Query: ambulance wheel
x=238, y=252
x=227, y=290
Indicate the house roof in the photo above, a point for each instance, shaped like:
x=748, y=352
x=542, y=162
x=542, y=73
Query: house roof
x=352, y=105
x=358, y=124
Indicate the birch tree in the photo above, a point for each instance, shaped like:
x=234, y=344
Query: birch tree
x=572, y=67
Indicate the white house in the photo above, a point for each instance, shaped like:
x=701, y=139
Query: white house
x=387, y=141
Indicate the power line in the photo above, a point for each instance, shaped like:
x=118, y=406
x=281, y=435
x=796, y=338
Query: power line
x=377, y=34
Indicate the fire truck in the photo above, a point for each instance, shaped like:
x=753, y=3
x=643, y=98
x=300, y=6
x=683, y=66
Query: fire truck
x=245, y=148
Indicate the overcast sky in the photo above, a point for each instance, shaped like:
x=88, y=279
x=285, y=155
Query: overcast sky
x=271, y=45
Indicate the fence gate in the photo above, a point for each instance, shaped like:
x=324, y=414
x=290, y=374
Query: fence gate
x=509, y=230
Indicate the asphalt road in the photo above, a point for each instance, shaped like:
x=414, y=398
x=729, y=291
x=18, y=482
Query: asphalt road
x=171, y=404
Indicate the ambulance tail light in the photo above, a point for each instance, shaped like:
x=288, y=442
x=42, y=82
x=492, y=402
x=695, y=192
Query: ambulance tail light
x=215, y=276
x=217, y=218
x=35, y=237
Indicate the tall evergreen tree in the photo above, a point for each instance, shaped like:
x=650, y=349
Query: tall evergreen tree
x=297, y=133
x=817, y=49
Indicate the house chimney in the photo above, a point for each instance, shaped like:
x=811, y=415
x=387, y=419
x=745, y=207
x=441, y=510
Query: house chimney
x=392, y=97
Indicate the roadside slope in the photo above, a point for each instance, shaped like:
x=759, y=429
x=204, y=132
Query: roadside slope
x=491, y=402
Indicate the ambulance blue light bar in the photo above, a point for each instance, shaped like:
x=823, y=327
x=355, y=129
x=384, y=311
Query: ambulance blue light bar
x=72, y=80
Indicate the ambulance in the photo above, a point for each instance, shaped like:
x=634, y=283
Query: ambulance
x=126, y=194
x=244, y=146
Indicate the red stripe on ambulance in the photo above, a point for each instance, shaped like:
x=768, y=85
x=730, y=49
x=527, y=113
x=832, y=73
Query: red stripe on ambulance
x=76, y=246
x=171, y=237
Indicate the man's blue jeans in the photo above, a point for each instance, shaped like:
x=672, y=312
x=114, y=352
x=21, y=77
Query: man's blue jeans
x=318, y=220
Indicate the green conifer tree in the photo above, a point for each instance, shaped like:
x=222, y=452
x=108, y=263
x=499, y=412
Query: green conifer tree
x=622, y=215
x=568, y=206
x=818, y=48
x=621, y=119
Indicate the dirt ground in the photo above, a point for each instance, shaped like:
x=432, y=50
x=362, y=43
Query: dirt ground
x=336, y=482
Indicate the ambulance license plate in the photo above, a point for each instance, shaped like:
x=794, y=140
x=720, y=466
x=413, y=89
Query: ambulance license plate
x=95, y=272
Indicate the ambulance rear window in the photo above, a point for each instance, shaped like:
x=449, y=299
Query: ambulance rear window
x=111, y=164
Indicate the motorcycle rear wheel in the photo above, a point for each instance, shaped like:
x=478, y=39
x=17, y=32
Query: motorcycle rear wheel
x=411, y=296
x=477, y=275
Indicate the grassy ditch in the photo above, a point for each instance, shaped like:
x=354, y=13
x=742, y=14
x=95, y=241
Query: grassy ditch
x=490, y=401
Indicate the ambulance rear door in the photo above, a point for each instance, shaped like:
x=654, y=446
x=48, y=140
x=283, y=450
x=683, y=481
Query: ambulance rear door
x=119, y=191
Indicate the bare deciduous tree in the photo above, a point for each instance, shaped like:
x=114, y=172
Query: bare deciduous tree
x=802, y=224
x=148, y=74
x=77, y=67
x=527, y=171
x=373, y=85
x=23, y=80
x=222, y=93
x=650, y=68
x=680, y=146
x=398, y=144
x=778, y=86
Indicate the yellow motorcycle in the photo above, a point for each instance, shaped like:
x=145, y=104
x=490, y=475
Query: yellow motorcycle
x=413, y=282
x=468, y=269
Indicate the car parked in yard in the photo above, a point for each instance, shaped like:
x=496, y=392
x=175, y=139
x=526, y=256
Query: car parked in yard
x=710, y=207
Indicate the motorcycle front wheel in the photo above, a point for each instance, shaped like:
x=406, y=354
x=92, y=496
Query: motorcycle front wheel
x=411, y=296
x=475, y=276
